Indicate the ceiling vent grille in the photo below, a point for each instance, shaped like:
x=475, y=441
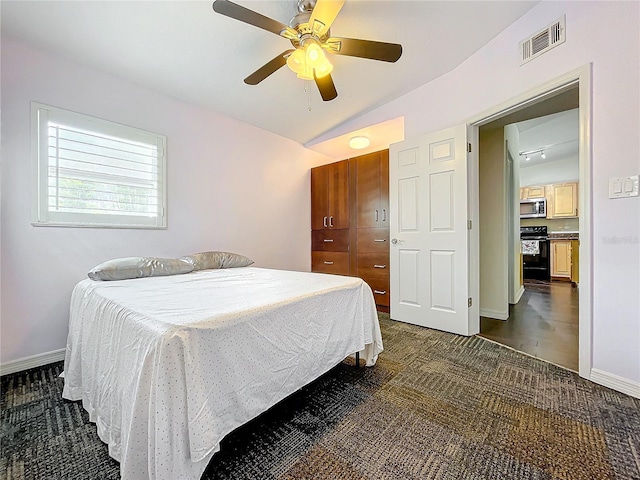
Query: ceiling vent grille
x=542, y=41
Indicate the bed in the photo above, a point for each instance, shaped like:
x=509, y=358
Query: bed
x=167, y=366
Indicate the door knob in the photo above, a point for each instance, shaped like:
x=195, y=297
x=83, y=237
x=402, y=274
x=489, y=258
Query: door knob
x=394, y=241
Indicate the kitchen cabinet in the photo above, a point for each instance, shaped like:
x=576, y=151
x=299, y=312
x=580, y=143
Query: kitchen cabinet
x=575, y=261
x=561, y=259
x=532, y=192
x=330, y=196
x=562, y=200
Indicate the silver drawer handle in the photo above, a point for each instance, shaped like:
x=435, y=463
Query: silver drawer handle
x=328, y=240
x=379, y=266
x=328, y=263
x=380, y=292
x=379, y=239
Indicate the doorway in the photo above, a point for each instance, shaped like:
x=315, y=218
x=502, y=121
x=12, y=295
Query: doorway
x=568, y=92
x=533, y=154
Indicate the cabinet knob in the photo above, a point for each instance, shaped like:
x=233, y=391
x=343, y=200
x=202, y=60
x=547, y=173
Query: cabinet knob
x=379, y=266
x=380, y=292
x=328, y=263
x=328, y=240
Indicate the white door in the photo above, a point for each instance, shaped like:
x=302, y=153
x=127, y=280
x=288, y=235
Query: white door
x=428, y=229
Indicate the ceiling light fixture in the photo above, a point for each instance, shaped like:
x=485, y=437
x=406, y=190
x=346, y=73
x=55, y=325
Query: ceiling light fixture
x=308, y=58
x=527, y=155
x=359, y=142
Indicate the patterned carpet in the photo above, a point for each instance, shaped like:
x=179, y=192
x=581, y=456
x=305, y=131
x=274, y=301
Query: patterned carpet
x=436, y=406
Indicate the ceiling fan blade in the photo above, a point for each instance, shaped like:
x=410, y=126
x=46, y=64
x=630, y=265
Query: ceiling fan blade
x=387, y=52
x=233, y=10
x=323, y=15
x=327, y=88
x=268, y=68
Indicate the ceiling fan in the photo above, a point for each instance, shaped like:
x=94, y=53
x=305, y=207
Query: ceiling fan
x=309, y=34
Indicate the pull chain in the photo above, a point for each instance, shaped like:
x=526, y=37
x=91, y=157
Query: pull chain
x=308, y=90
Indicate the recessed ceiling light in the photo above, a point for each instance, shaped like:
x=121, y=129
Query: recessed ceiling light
x=359, y=142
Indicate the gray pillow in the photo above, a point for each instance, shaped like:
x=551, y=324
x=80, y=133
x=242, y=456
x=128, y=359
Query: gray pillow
x=211, y=260
x=138, y=267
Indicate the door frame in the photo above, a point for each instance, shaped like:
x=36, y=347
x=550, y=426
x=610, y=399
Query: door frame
x=581, y=77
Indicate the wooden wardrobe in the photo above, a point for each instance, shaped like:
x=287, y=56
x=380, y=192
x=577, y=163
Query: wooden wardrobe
x=350, y=221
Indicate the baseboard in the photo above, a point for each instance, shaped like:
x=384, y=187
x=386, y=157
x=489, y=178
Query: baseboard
x=519, y=294
x=32, y=362
x=615, y=382
x=494, y=314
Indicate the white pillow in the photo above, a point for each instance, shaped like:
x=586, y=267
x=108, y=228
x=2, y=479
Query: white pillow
x=213, y=260
x=138, y=267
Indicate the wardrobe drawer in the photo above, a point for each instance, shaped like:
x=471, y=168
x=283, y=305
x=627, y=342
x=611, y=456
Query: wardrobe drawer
x=373, y=240
x=373, y=266
x=330, y=240
x=380, y=289
x=330, y=262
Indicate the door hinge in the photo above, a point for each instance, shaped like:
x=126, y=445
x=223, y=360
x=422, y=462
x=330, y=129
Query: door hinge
x=469, y=147
x=469, y=224
x=470, y=301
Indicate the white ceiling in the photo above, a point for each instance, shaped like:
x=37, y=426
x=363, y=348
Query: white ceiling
x=187, y=51
x=558, y=134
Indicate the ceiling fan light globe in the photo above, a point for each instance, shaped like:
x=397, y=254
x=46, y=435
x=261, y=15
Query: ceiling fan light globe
x=323, y=70
x=296, y=61
x=314, y=54
x=305, y=76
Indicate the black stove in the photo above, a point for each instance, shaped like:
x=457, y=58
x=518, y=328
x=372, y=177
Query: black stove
x=535, y=253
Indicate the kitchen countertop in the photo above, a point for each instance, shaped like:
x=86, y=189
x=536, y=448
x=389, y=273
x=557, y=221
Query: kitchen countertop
x=564, y=235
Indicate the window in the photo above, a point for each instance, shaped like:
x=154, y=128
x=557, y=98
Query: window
x=96, y=173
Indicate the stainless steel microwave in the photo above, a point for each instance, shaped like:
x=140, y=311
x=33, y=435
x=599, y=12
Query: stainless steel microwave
x=533, y=208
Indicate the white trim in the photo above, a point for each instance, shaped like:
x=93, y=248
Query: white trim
x=519, y=294
x=615, y=382
x=494, y=314
x=32, y=361
x=581, y=77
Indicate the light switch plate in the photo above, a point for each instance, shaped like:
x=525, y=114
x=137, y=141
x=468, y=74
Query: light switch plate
x=623, y=187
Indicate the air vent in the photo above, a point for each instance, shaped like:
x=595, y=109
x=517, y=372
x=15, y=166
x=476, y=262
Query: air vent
x=542, y=41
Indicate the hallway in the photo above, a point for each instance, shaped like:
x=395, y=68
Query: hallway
x=544, y=323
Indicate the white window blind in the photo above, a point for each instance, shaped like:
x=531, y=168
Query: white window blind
x=92, y=172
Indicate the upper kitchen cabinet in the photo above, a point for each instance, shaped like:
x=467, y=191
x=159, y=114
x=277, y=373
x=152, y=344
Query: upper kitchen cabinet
x=372, y=189
x=330, y=196
x=527, y=193
x=562, y=200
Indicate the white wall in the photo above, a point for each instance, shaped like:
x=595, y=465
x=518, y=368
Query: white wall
x=231, y=187
x=493, y=76
x=494, y=301
x=512, y=137
x=558, y=171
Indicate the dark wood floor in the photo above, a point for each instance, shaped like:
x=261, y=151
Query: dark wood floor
x=544, y=323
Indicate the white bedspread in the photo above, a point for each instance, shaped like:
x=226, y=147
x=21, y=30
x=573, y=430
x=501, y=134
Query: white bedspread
x=167, y=366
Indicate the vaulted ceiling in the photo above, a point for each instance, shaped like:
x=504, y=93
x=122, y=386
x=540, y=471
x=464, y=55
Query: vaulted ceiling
x=187, y=51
